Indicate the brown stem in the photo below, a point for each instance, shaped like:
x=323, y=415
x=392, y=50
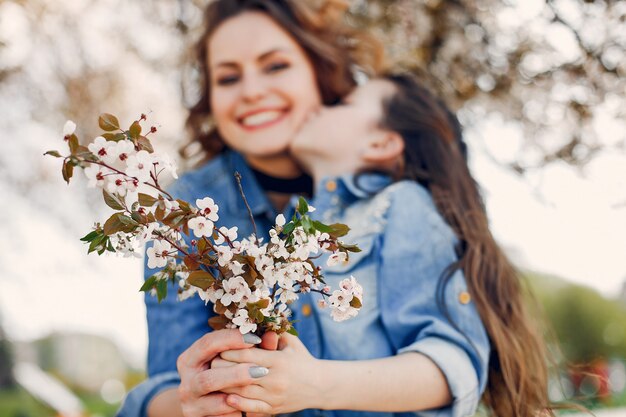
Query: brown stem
x=225, y=238
x=155, y=186
x=238, y=178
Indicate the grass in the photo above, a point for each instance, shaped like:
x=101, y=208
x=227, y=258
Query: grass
x=18, y=403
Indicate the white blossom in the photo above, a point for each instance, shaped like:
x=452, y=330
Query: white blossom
x=280, y=220
x=231, y=234
x=337, y=258
x=243, y=322
x=146, y=232
x=158, y=254
x=101, y=147
x=351, y=286
x=120, y=152
x=224, y=255
x=235, y=289
x=236, y=268
x=201, y=226
x=163, y=162
x=96, y=175
x=69, y=128
x=139, y=165
x=208, y=208
x=117, y=184
x=211, y=294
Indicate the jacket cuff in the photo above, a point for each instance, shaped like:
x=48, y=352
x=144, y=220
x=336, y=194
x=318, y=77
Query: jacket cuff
x=460, y=374
x=136, y=402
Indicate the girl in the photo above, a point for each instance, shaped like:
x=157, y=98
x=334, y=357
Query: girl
x=438, y=291
x=265, y=65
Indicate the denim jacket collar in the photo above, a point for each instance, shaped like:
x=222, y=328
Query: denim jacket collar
x=347, y=188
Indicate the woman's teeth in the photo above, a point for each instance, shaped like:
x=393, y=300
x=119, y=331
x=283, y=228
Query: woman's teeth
x=261, y=118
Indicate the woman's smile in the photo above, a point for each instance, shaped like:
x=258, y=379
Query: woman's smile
x=262, y=118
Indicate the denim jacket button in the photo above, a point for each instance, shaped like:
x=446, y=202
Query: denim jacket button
x=306, y=310
x=331, y=185
x=465, y=297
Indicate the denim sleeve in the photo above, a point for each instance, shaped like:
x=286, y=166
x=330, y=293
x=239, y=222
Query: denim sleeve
x=136, y=402
x=418, y=247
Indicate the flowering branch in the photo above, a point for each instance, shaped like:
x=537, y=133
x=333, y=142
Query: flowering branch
x=249, y=284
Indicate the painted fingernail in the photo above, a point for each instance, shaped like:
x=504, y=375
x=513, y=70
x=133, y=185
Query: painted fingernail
x=251, y=338
x=258, y=371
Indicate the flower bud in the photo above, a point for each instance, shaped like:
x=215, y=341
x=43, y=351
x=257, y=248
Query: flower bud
x=69, y=128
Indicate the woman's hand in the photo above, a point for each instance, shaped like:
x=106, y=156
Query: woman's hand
x=200, y=385
x=291, y=385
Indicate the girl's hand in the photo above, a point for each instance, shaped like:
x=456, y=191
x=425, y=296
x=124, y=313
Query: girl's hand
x=291, y=385
x=200, y=386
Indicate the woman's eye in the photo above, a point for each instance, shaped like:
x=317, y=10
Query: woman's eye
x=227, y=80
x=276, y=67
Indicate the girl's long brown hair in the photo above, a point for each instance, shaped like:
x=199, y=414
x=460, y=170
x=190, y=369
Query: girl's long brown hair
x=435, y=157
x=334, y=49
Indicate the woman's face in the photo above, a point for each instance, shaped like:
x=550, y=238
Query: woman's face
x=262, y=85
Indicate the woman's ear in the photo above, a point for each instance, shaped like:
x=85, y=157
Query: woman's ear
x=386, y=147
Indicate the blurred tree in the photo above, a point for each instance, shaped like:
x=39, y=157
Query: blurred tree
x=555, y=67
x=587, y=325
x=558, y=67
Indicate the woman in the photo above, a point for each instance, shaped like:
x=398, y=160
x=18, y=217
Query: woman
x=267, y=65
x=430, y=270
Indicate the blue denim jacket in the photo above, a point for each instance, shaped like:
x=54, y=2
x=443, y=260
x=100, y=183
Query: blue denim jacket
x=405, y=247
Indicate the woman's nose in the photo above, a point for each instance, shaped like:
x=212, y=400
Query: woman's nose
x=253, y=88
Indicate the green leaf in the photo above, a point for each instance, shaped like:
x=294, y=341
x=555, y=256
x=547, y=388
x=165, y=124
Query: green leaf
x=67, y=170
x=148, y=283
x=350, y=248
x=96, y=244
x=144, y=144
x=108, y=122
x=56, y=154
x=307, y=225
x=114, y=137
x=147, y=200
x=292, y=330
x=73, y=142
x=322, y=227
x=201, y=279
x=135, y=130
x=106, y=243
x=218, y=322
x=113, y=224
x=128, y=221
x=338, y=230
x=112, y=201
x=303, y=206
x=90, y=236
x=137, y=217
x=191, y=261
x=355, y=302
x=289, y=227
x=161, y=288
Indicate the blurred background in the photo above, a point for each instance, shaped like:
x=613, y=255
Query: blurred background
x=539, y=86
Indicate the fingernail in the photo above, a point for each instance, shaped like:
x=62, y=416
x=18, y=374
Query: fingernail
x=258, y=371
x=251, y=338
